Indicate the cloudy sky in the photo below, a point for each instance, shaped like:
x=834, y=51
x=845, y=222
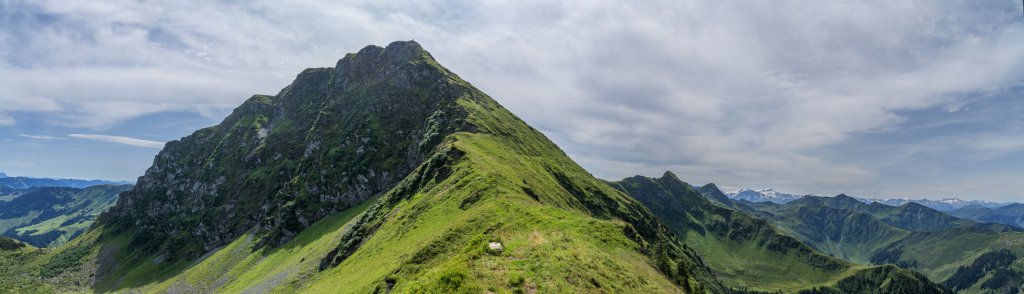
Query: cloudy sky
x=886, y=98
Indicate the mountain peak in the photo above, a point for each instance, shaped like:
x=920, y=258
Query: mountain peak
x=375, y=117
x=914, y=206
x=670, y=175
x=712, y=192
x=376, y=57
x=405, y=47
x=710, y=187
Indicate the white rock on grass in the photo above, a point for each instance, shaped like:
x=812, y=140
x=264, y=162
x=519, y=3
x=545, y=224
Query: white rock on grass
x=495, y=247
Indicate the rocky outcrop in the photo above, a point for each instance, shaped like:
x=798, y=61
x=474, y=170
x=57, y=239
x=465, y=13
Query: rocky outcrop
x=330, y=140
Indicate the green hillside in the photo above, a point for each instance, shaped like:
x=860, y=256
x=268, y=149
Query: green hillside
x=882, y=279
x=946, y=249
x=848, y=228
x=747, y=253
x=941, y=255
x=51, y=216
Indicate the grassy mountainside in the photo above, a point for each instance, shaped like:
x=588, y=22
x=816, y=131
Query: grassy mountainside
x=944, y=248
x=14, y=255
x=564, y=230
x=746, y=252
x=950, y=256
x=832, y=227
x=51, y=216
x=848, y=228
x=882, y=279
x=312, y=191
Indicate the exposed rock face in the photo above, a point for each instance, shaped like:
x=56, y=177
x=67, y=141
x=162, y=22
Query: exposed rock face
x=330, y=140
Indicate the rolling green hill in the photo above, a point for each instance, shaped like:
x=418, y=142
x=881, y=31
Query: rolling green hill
x=51, y=216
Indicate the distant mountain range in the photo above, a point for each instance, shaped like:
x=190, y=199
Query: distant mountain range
x=944, y=205
x=751, y=253
x=1012, y=214
x=964, y=255
x=764, y=195
x=51, y=216
x=11, y=184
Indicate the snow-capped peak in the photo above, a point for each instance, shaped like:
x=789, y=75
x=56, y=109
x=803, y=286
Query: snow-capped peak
x=763, y=195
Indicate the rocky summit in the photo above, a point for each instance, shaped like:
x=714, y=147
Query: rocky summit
x=327, y=142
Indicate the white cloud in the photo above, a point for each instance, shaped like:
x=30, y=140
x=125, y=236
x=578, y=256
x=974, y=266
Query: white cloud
x=40, y=137
x=120, y=140
x=746, y=93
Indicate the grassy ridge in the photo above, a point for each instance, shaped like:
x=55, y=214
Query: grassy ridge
x=562, y=228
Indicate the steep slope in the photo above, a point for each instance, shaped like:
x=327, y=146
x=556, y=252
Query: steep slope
x=275, y=198
x=745, y=252
x=327, y=142
x=51, y=216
